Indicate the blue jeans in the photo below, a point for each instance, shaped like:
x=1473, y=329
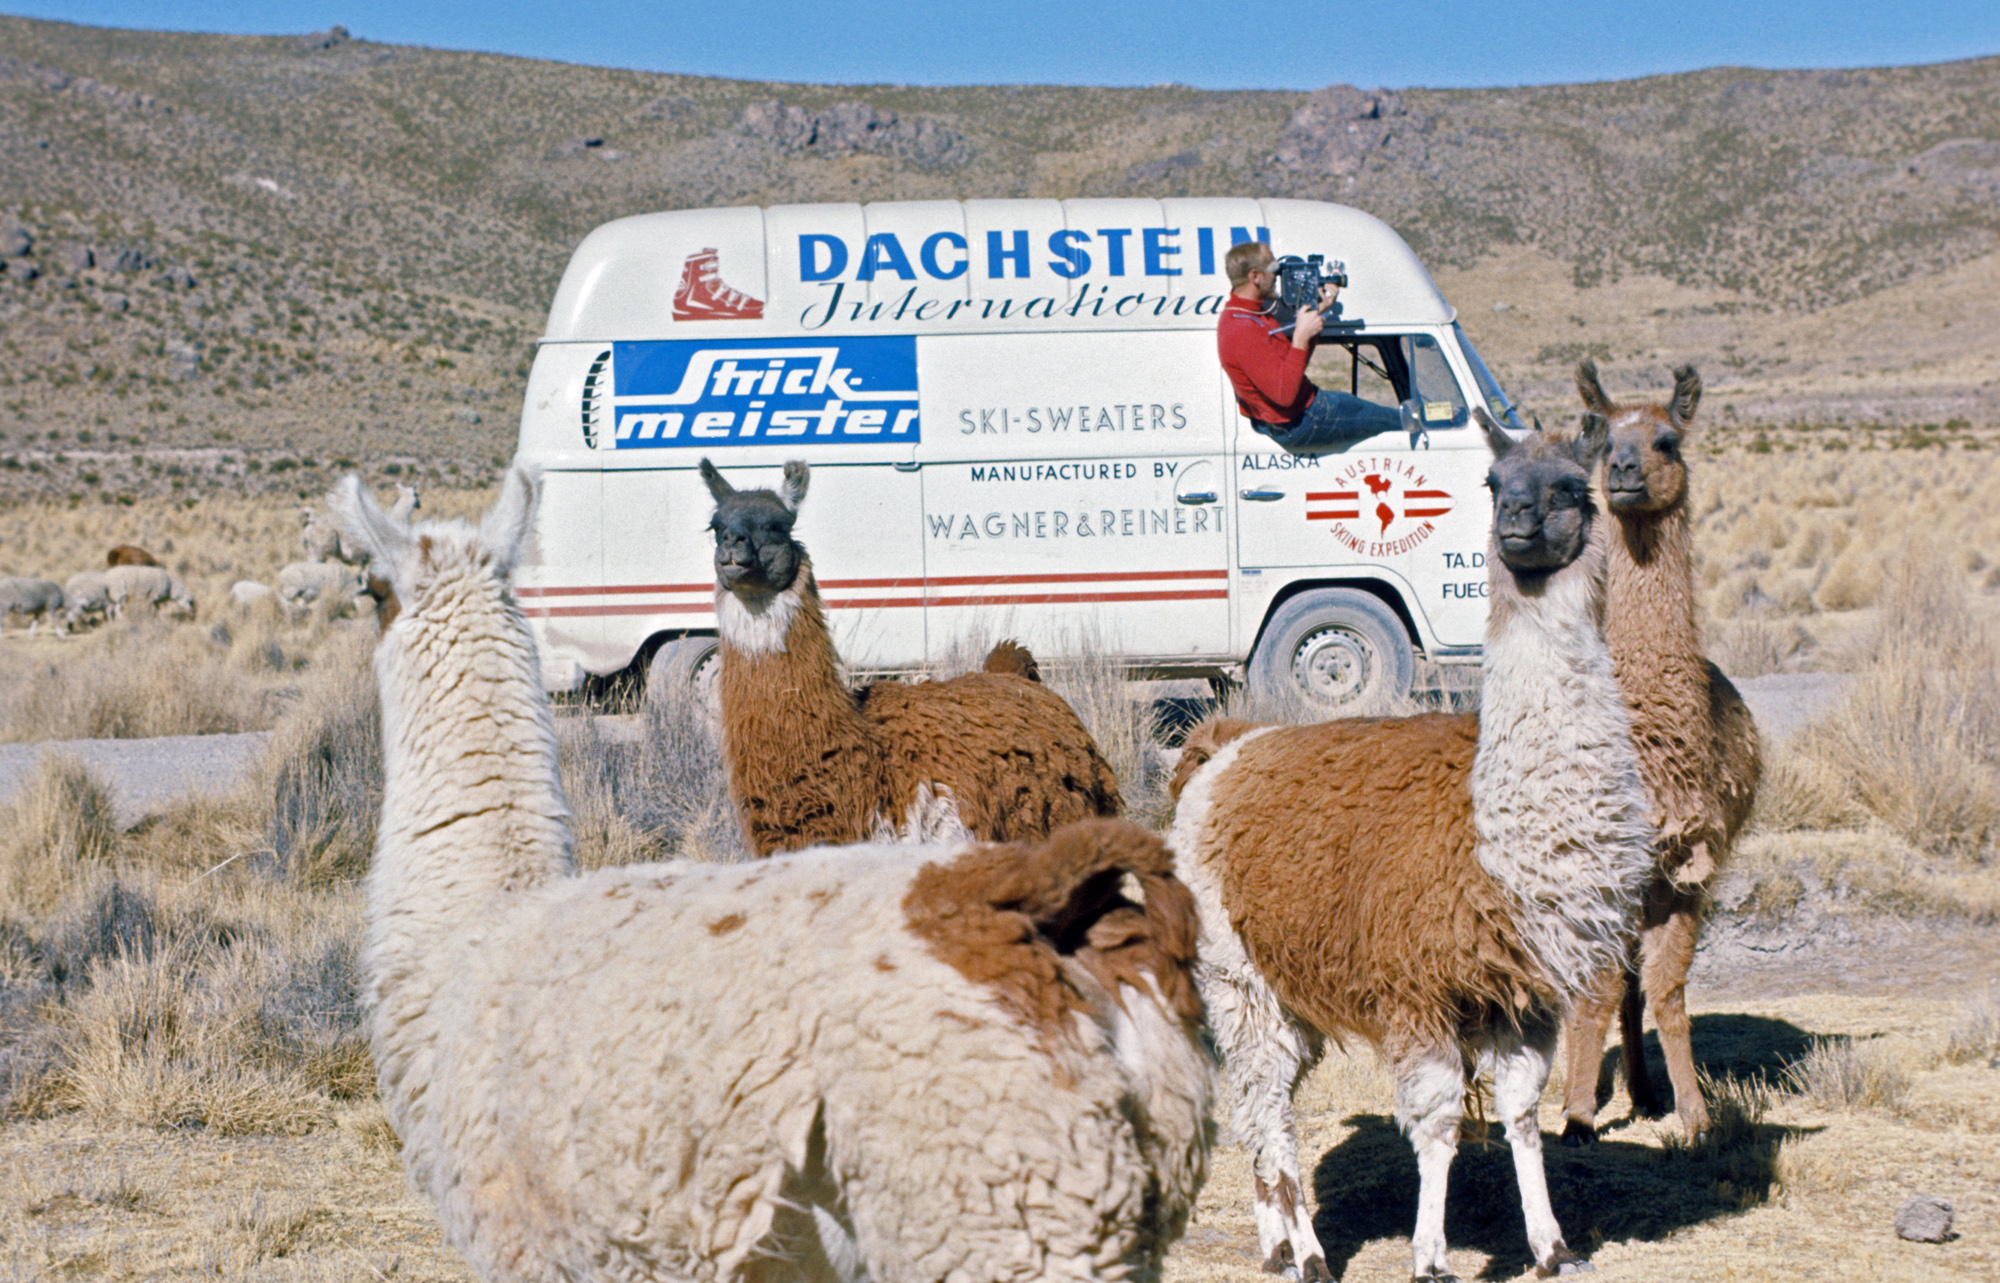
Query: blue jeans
x=1332, y=420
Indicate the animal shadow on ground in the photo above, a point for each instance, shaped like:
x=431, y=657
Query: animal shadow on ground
x=1728, y=1047
x=1614, y=1191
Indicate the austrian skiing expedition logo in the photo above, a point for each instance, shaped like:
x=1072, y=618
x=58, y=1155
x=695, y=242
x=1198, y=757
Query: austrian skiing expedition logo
x=701, y=295
x=1382, y=507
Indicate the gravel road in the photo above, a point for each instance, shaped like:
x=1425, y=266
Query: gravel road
x=149, y=774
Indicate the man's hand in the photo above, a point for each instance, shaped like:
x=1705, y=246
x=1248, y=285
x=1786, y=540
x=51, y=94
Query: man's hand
x=1328, y=292
x=1306, y=329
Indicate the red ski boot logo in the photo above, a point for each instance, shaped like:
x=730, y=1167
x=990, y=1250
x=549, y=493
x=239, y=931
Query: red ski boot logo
x=703, y=297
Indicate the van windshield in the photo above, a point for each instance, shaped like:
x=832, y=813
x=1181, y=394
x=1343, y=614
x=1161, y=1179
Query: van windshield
x=1489, y=387
x=1390, y=369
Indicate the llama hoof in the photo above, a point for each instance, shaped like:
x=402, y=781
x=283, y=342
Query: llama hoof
x=1563, y=1262
x=1577, y=1134
x=1434, y=1278
x=1279, y=1262
x=1315, y=1271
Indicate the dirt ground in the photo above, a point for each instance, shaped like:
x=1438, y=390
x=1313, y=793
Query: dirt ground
x=1790, y=1190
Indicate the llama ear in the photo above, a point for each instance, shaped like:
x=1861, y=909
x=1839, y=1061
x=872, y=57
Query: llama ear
x=1497, y=439
x=1591, y=390
x=793, y=492
x=363, y=523
x=1687, y=396
x=717, y=484
x=1593, y=441
x=506, y=526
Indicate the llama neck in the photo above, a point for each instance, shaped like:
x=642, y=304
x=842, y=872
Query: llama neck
x=1558, y=809
x=472, y=804
x=787, y=711
x=1651, y=630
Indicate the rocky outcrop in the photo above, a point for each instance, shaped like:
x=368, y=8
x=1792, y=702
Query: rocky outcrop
x=848, y=128
x=1339, y=127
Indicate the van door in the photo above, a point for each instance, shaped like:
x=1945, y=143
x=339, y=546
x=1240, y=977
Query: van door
x=1073, y=494
x=1409, y=514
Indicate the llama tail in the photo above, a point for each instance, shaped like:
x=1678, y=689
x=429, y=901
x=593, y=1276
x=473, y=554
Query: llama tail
x=1010, y=910
x=1012, y=657
x=1203, y=743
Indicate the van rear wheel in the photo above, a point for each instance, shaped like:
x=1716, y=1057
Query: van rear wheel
x=682, y=668
x=1335, y=650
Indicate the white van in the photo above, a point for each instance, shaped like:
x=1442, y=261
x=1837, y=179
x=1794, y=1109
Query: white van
x=1017, y=426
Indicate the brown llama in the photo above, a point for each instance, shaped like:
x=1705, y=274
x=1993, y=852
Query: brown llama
x=993, y=755
x=1440, y=886
x=126, y=554
x=1697, y=747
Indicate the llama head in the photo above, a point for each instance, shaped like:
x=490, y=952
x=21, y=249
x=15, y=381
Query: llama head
x=1542, y=507
x=412, y=558
x=1645, y=471
x=755, y=554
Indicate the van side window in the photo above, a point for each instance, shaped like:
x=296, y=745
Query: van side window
x=1389, y=368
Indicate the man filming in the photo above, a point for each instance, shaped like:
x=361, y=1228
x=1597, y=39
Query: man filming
x=1268, y=368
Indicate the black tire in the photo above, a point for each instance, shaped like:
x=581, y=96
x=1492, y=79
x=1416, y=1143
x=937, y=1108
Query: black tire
x=1334, y=649
x=686, y=663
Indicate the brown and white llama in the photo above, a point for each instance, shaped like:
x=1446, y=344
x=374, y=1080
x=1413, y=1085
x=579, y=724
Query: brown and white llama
x=1441, y=886
x=993, y=755
x=1697, y=744
x=980, y=1063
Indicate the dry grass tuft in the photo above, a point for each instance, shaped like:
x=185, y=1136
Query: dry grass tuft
x=650, y=785
x=1916, y=734
x=323, y=770
x=1839, y=1073
x=1975, y=1035
x=61, y=822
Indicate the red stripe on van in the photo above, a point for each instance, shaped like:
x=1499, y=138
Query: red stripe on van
x=1426, y=494
x=1331, y=496
x=1332, y=514
x=1041, y=599
x=1425, y=512
x=966, y=581
x=644, y=608
x=610, y=590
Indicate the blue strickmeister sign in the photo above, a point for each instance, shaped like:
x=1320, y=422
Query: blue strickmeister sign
x=711, y=393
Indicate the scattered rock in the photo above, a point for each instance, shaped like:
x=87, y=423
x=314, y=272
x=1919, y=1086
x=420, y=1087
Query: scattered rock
x=1337, y=128
x=332, y=38
x=1154, y=171
x=115, y=303
x=577, y=146
x=22, y=270
x=75, y=257
x=176, y=277
x=1925, y=1218
x=184, y=359
x=845, y=128
x=121, y=258
x=669, y=107
x=15, y=240
x=465, y=414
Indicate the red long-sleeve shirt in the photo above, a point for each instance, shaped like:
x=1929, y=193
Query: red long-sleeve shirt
x=1268, y=372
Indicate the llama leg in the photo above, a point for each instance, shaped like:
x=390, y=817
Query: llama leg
x=1520, y=1066
x=1264, y=1055
x=1430, y=1102
x=1666, y=953
x=1583, y=1058
x=1632, y=1041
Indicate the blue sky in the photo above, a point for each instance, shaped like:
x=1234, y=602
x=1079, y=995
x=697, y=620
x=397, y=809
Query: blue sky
x=1250, y=45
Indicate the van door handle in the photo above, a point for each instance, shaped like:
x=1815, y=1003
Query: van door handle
x=907, y=467
x=1261, y=496
x=1195, y=496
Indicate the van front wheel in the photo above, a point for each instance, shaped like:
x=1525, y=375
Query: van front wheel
x=1335, y=650
x=682, y=668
